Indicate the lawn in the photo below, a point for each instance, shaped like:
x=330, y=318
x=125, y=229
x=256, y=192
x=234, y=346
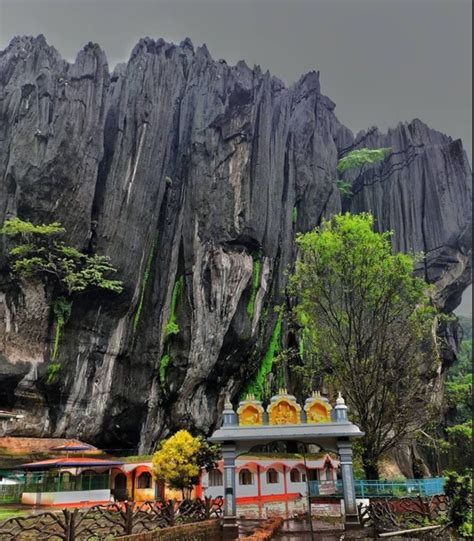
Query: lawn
x=10, y=512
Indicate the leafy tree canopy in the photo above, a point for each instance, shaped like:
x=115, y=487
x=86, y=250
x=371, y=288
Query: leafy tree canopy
x=39, y=251
x=458, y=489
x=180, y=459
x=366, y=324
x=361, y=157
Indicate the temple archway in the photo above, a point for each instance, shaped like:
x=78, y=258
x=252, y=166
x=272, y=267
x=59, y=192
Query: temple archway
x=285, y=420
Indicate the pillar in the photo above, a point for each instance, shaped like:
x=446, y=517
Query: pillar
x=230, y=507
x=285, y=488
x=350, y=505
x=259, y=491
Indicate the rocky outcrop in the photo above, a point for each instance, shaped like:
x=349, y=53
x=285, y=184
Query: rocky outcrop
x=194, y=177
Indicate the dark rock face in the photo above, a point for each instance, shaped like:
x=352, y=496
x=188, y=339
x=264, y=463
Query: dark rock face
x=185, y=171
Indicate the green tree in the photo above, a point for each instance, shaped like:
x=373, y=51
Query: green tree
x=37, y=251
x=458, y=393
x=367, y=328
x=357, y=159
x=361, y=157
x=458, y=489
x=180, y=459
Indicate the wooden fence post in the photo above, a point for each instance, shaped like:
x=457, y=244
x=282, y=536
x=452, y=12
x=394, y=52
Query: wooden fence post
x=128, y=518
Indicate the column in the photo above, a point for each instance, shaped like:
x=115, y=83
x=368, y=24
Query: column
x=230, y=507
x=259, y=491
x=350, y=505
x=285, y=488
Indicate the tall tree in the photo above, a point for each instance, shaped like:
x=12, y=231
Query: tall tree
x=367, y=328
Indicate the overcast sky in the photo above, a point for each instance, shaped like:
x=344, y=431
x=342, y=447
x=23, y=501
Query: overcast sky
x=381, y=61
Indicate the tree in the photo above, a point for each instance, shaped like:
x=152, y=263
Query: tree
x=180, y=459
x=361, y=157
x=458, y=490
x=458, y=392
x=38, y=251
x=357, y=159
x=367, y=328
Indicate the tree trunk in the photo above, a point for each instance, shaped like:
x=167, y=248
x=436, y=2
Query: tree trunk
x=370, y=465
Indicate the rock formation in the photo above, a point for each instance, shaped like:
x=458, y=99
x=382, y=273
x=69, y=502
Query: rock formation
x=194, y=177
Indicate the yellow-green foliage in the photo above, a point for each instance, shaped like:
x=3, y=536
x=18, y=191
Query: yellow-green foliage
x=181, y=457
x=367, y=326
x=357, y=159
x=143, y=286
x=361, y=157
x=38, y=252
x=15, y=226
x=175, y=462
x=256, y=272
x=172, y=327
x=62, y=310
x=163, y=366
x=52, y=373
x=257, y=385
x=294, y=215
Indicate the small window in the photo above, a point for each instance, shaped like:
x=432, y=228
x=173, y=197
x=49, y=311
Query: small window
x=303, y=478
x=295, y=476
x=272, y=476
x=215, y=478
x=327, y=474
x=245, y=477
x=144, y=480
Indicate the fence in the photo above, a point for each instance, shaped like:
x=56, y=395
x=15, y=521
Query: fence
x=11, y=493
x=364, y=488
x=391, y=515
x=104, y=522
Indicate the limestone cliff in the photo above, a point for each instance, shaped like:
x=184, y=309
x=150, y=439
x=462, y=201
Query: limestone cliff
x=193, y=176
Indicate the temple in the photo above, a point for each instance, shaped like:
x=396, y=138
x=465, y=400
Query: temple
x=284, y=420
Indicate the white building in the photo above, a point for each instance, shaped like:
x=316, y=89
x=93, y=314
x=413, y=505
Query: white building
x=265, y=483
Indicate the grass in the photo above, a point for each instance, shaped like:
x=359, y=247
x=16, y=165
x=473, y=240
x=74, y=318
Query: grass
x=136, y=458
x=7, y=512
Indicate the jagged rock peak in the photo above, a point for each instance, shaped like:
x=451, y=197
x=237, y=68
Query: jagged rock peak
x=194, y=177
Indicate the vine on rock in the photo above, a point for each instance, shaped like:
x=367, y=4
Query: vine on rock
x=257, y=385
x=143, y=287
x=256, y=274
x=171, y=327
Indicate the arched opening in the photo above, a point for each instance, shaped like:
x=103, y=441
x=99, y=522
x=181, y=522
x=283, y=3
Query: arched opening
x=120, y=487
x=215, y=478
x=245, y=477
x=326, y=474
x=144, y=480
x=295, y=476
x=272, y=476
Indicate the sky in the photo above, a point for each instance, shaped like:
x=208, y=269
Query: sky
x=380, y=61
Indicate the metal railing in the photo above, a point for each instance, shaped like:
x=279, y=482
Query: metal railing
x=385, y=489
x=11, y=493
